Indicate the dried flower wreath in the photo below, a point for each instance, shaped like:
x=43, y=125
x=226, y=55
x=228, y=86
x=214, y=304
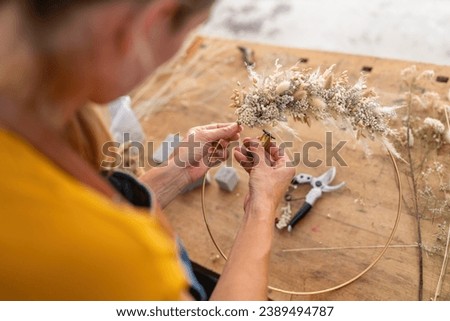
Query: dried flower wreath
x=305, y=95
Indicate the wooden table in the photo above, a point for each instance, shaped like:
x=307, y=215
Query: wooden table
x=346, y=229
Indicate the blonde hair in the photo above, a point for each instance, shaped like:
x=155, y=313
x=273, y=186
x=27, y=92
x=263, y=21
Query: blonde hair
x=87, y=133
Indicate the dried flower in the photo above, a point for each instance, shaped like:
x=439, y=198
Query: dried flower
x=432, y=100
x=426, y=75
x=429, y=173
x=410, y=138
x=435, y=124
x=438, y=167
x=283, y=87
x=305, y=95
x=409, y=74
x=447, y=136
x=285, y=217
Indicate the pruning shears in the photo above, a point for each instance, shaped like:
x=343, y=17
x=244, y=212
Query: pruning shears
x=319, y=185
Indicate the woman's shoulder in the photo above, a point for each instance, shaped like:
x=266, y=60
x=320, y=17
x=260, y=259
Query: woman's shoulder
x=73, y=241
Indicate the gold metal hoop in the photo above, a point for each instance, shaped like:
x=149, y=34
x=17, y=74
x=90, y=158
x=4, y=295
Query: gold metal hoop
x=339, y=286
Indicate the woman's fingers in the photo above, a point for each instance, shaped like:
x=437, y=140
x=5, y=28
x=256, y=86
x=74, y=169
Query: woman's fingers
x=250, y=154
x=235, y=137
x=217, y=132
x=216, y=125
x=243, y=159
x=270, y=155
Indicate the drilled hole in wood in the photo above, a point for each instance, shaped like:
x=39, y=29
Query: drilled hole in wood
x=442, y=79
x=303, y=60
x=367, y=69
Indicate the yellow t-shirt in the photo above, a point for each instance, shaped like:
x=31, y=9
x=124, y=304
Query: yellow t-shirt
x=60, y=240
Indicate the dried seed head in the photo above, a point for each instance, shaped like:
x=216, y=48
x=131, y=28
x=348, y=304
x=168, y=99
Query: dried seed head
x=432, y=99
x=368, y=93
x=283, y=87
x=307, y=120
x=435, y=124
x=328, y=81
x=317, y=102
x=447, y=136
x=426, y=75
x=300, y=94
x=409, y=74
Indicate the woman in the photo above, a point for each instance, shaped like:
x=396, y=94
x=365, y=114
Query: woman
x=65, y=232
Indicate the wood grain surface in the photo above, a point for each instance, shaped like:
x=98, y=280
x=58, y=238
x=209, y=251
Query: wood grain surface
x=346, y=229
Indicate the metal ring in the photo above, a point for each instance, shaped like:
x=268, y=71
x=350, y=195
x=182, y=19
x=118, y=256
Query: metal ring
x=339, y=286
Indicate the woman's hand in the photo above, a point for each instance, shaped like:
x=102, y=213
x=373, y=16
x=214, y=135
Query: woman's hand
x=270, y=174
x=246, y=273
x=195, y=153
x=191, y=160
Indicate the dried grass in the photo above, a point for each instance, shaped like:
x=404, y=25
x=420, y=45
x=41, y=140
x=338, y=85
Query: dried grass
x=307, y=95
x=423, y=136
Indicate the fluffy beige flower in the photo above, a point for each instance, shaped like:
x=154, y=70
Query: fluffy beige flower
x=305, y=95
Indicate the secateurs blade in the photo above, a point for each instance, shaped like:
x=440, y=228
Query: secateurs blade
x=319, y=185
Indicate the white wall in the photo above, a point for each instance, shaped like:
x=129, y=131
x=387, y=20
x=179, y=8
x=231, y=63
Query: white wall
x=417, y=30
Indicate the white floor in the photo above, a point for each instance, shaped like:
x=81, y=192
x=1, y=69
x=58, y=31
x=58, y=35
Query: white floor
x=416, y=30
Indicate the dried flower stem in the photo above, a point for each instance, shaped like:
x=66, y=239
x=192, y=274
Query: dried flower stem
x=447, y=133
x=444, y=267
x=416, y=201
x=446, y=117
x=432, y=134
x=367, y=247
